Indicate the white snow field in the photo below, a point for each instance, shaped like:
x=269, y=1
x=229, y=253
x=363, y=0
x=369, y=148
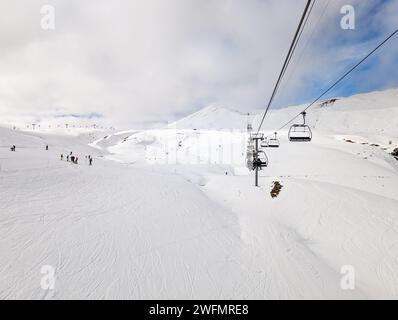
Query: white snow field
x=172, y=213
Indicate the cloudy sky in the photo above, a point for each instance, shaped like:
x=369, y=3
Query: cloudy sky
x=134, y=61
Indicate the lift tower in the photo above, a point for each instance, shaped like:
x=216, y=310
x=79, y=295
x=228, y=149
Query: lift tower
x=260, y=159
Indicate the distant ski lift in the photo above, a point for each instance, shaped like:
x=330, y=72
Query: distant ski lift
x=273, y=142
x=249, y=155
x=249, y=164
x=264, y=143
x=300, y=132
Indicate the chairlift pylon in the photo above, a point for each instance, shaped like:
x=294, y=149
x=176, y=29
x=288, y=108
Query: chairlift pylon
x=300, y=132
x=256, y=159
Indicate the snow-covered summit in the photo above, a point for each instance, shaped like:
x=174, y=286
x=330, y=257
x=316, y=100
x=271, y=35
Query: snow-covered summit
x=213, y=117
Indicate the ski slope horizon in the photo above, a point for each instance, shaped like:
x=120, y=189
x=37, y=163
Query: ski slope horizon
x=172, y=213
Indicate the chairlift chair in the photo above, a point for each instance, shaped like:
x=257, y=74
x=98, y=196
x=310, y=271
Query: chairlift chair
x=260, y=160
x=273, y=142
x=300, y=132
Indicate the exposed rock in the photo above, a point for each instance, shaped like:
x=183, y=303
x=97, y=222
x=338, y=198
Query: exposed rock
x=276, y=189
x=395, y=153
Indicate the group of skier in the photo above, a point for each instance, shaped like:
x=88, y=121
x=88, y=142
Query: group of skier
x=69, y=158
x=74, y=159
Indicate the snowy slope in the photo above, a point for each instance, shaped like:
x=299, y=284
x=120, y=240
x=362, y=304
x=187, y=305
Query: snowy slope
x=110, y=231
x=177, y=216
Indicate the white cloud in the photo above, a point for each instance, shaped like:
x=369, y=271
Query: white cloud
x=141, y=61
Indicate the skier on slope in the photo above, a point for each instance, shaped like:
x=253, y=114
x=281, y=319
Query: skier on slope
x=62, y=157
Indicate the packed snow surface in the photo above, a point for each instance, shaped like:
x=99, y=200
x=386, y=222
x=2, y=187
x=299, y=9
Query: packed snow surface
x=173, y=213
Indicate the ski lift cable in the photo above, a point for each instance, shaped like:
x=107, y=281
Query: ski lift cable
x=287, y=59
x=298, y=39
x=341, y=78
x=291, y=55
x=306, y=44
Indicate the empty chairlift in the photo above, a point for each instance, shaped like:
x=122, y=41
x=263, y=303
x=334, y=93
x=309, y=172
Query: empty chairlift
x=300, y=132
x=273, y=142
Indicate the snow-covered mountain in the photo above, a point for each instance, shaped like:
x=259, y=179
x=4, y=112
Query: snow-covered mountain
x=371, y=113
x=370, y=117
x=214, y=118
x=170, y=213
x=364, y=113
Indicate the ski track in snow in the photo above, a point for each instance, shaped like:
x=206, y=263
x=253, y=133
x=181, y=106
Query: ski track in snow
x=112, y=232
